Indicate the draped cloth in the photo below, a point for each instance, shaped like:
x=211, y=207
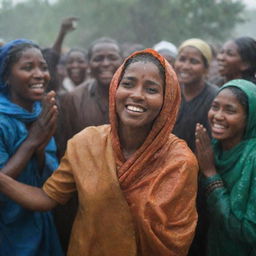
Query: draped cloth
x=141, y=206
x=23, y=232
x=232, y=208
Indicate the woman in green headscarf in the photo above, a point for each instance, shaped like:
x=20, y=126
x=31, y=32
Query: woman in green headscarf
x=229, y=169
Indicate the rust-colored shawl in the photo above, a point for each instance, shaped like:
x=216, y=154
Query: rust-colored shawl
x=159, y=180
x=143, y=206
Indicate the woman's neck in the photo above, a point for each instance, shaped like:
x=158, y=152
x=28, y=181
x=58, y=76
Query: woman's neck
x=131, y=139
x=190, y=91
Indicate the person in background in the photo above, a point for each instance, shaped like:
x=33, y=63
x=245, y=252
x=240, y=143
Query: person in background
x=237, y=59
x=129, y=48
x=76, y=64
x=191, y=66
x=133, y=198
x=52, y=54
x=167, y=50
x=228, y=170
x=27, y=149
x=86, y=105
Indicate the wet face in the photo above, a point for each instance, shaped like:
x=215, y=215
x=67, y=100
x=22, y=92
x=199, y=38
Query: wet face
x=28, y=78
x=139, y=97
x=190, y=66
x=230, y=63
x=76, y=67
x=227, y=118
x=104, y=62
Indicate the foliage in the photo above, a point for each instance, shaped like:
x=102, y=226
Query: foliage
x=140, y=21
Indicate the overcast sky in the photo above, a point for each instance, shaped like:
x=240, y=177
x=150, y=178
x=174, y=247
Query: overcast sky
x=249, y=3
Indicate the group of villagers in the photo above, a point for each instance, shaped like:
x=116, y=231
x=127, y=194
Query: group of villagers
x=166, y=168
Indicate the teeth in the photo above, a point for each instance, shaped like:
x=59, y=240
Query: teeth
x=135, y=109
x=218, y=126
x=184, y=75
x=36, y=86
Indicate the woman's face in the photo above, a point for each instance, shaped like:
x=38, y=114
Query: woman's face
x=76, y=66
x=139, y=97
x=190, y=66
x=104, y=62
x=227, y=118
x=28, y=78
x=229, y=60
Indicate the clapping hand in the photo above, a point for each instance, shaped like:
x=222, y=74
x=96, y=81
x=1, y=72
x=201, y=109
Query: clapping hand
x=204, y=151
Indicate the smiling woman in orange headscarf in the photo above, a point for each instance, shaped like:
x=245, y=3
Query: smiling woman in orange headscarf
x=136, y=182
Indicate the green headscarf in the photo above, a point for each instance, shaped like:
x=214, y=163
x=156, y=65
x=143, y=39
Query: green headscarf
x=237, y=166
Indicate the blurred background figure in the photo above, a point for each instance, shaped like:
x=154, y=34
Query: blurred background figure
x=52, y=54
x=167, y=50
x=1, y=42
x=76, y=65
x=129, y=48
x=237, y=59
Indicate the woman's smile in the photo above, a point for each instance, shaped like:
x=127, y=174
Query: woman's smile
x=139, y=97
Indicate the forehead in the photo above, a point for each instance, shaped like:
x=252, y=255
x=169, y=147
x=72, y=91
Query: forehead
x=31, y=54
x=230, y=45
x=190, y=51
x=101, y=48
x=226, y=96
x=145, y=69
x=76, y=54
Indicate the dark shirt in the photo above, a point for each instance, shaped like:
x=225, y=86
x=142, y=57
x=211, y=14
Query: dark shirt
x=193, y=112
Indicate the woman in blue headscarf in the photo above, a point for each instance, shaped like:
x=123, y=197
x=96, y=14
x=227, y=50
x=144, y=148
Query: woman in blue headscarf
x=27, y=150
x=229, y=170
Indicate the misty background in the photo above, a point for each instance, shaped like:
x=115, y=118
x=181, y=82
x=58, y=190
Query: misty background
x=134, y=21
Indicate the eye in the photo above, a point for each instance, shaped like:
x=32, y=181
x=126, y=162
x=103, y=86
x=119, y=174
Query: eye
x=126, y=84
x=44, y=68
x=27, y=67
x=214, y=107
x=195, y=61
x=97, y=58
x=152, y=90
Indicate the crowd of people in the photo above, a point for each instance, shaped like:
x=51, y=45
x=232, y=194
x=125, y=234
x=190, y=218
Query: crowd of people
x=125, y=150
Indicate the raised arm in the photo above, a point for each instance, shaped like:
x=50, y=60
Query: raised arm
x=67, y=25
x=29, y=197
x=218, y=195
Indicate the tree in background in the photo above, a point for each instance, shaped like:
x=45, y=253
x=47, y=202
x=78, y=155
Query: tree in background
x=135, y=21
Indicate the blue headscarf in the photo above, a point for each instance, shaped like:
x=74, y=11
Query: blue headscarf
x=6, y=106
x=4, y=50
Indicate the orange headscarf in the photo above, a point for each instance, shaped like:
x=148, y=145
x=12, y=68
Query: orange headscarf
x=159, y=180
x=162, y=127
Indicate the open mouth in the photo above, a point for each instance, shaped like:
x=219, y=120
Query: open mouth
x=38, y=88
x=218, y=128
x=135, y=109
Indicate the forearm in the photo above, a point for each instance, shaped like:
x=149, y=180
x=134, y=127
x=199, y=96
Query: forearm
x=29, y=197
x=219, y=205
x=19, y=160
x=58, y=42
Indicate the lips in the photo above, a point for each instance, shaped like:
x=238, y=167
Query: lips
x=135, y=109
x=37, y=88
x=218, y=128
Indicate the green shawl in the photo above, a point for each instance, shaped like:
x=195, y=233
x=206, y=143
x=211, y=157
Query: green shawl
x=233, y=208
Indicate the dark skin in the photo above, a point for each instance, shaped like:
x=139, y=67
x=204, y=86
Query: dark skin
x=39, y=136
x=204, y=152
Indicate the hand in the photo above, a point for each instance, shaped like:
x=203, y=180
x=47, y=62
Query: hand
x=44, y=127
x=69, y=24
x=204, y=151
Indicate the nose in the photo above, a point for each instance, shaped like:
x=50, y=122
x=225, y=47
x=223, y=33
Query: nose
x=137, y=93
x=38, y=74
x=105, y=61
x=218, y=115
x=220, y=56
